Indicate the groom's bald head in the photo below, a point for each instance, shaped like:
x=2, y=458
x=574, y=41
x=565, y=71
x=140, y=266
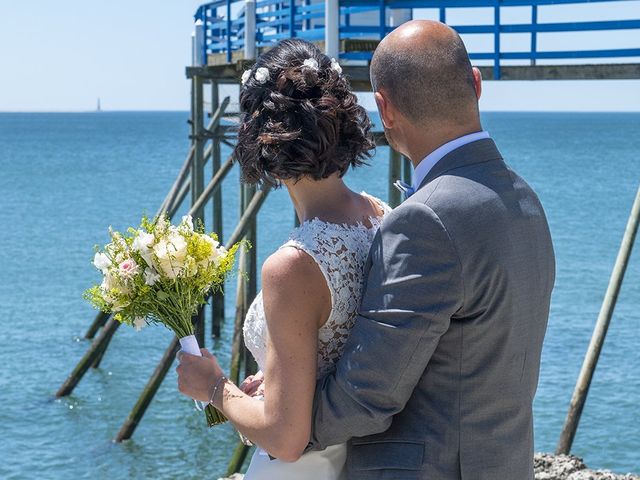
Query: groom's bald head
x=424, y=70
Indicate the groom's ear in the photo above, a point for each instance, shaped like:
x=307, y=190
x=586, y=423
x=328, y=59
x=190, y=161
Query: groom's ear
x=477, y=81
x=385, y=109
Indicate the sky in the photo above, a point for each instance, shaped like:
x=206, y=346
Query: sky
x=63, y=55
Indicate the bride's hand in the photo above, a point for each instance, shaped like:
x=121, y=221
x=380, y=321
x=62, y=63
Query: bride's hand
x=253, y=385
x=198, y=375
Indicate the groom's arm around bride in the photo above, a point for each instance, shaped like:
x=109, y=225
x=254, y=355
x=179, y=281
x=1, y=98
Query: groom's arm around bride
x=438, y=376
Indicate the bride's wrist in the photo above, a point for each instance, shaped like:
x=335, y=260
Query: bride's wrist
x=217, y=390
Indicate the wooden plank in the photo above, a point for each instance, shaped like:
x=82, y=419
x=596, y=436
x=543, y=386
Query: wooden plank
x=359, y=74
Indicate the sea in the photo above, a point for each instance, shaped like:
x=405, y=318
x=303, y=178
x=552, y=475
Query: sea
x=66, y=177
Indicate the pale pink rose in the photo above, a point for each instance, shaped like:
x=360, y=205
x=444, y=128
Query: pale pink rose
x=128, y=268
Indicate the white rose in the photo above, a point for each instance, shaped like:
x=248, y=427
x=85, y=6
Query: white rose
x=311, y=63
x=246, y=76
x=139, y=323
x=106, y=284
x=142, y=242
x=101, y=261
x=151, y=276
x=171, y=254
x=262, y=75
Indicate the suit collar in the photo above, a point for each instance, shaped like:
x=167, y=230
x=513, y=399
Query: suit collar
x=475, y=152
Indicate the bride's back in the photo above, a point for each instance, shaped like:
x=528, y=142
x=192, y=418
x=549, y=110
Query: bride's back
x=340, y=251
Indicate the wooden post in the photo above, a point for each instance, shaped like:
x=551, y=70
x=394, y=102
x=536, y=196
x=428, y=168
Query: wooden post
x=237, y=459
x=197, y=174
x=597, y=340
x=88, y=358
x=236, y=344
x=217, y=300
x=407, y=170
x=150, y=389
x=98, y=322
x=250, y=364
x=395, y=173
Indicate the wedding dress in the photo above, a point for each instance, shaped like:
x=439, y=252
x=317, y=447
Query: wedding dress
x=340, y=251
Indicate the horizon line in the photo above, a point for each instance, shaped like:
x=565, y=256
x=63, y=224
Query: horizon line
x=374, y=111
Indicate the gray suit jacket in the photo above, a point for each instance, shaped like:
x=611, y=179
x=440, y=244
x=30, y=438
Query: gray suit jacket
x=438, y=376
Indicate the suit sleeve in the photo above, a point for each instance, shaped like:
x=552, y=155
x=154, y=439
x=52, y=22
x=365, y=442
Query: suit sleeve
x=413, y=287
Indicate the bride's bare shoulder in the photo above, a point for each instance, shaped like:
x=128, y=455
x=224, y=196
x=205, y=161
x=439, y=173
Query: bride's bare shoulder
x=291, y=277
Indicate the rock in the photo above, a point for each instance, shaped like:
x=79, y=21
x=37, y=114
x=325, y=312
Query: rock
x=568, y=467
x=551, y=467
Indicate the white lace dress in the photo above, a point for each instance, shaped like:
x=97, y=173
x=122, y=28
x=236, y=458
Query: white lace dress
x=340, y=251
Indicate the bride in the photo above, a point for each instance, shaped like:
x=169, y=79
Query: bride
x=302, y=128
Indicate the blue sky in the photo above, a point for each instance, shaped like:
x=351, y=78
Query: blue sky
x=63, y=55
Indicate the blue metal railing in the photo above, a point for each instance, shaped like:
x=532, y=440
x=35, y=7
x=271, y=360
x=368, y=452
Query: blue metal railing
x=224, y=26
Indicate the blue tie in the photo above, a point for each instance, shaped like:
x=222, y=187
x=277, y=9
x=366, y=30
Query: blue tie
x=406, y=189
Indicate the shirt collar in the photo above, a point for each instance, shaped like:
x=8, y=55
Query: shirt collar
x=425, y=166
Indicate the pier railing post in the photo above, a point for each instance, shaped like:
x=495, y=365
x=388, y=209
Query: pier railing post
x=534, y=33
x=198, y=43
x=332, y=28
x=250, y=29
x=496, y=41
x=600, y=332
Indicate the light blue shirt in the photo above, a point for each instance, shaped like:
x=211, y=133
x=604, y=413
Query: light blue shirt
x=425, y=166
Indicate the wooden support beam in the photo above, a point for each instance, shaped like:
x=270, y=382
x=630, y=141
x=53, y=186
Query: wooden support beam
x=237, y=459
x=217, y=300
x=600, y=332
x=395, y=173
x=250, y=365
x=236, y=343
x=197, y=175
x=150, y=389
x=358, y=75
x=98, y=322
x=88, y=358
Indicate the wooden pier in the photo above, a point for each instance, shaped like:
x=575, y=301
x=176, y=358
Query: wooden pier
x=225, y=43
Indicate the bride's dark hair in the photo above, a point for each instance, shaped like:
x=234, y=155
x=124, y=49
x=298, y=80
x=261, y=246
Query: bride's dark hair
x=301, y=120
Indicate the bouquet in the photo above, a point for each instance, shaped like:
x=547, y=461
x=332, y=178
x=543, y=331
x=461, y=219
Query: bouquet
x=161, y=273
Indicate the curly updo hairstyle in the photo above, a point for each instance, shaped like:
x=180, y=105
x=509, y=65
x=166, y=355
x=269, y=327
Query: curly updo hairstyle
x=300, y=119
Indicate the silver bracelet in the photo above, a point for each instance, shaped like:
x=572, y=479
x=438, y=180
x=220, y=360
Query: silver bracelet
x=215, y=389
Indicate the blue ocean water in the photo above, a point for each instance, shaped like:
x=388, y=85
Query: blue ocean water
x=65, y=177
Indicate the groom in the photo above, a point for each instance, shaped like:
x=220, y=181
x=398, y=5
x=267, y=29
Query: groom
x=439, y=373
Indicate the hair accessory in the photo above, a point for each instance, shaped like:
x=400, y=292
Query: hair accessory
x=336, y=66
x=310, y=63
x=245, y=76
x=262, y=75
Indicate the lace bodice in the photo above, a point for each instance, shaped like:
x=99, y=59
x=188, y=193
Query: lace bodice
x=340, y=252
